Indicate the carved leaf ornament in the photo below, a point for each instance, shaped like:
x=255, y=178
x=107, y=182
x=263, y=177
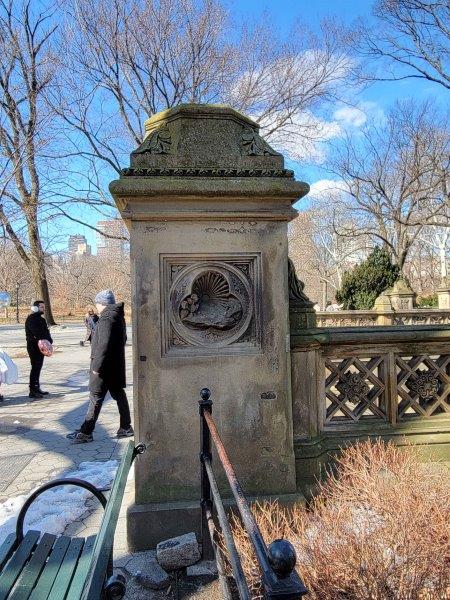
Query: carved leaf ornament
x=254, y=145
x=158, y=142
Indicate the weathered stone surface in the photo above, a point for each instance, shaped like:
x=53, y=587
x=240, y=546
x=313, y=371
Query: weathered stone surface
x=205, y=568
x=147, y=571
x=178, y=140
x=207, y=202
x=178, y=552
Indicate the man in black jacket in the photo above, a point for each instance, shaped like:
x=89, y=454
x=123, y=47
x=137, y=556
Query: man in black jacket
x=107, y=368
x=36, y=329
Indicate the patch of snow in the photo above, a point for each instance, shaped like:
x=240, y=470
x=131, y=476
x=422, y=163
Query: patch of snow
x=56, y=508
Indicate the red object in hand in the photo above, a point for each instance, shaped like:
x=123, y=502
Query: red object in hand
x=45, y=347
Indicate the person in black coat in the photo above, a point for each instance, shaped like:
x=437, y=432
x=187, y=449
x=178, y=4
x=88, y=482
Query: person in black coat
x=36, y=329
x=107, y=368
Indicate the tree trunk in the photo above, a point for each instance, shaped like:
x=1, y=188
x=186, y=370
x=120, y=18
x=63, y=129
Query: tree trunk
x=38, y=269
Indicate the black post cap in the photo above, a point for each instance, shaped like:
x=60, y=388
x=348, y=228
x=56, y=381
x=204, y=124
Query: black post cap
x=205, y=394
x=282, y=558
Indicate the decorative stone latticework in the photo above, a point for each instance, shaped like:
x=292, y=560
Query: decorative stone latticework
x=426, y=385
x=354, y=389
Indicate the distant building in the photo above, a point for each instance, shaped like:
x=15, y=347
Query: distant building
x=84, y=250
x=111, y=242
x=78, y=246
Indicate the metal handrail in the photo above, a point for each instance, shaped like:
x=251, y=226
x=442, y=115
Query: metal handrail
x=279, y=579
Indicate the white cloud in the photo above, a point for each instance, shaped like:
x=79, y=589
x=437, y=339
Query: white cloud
x=349, y=115
x=301, y=137
x=324, y=189
x=357, y=116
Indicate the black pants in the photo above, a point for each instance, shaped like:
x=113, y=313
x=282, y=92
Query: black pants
x=37, y=360
x=98, y=389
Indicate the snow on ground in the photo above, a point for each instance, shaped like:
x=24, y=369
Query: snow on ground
x=55, y=509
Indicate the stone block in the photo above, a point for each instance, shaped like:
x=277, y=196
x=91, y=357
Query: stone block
x=205, y=568
x=178, y=552
x=147, y=571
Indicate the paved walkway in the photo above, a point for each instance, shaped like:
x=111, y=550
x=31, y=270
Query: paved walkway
x=33, y=446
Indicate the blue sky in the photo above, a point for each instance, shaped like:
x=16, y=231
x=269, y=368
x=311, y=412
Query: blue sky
x=374, y=99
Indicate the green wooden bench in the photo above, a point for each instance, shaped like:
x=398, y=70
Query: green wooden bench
x=39, y=566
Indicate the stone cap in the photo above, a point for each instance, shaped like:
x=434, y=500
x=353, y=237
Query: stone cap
x=204, y=140
x=401, y=287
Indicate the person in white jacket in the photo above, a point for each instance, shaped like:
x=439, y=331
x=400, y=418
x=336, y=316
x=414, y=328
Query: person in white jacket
x=8, y=370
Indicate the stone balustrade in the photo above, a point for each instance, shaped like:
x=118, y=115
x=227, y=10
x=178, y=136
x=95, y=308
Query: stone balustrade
x=369, y=318
x=357, y=382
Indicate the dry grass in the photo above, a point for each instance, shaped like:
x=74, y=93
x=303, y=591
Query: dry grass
x=378, y=530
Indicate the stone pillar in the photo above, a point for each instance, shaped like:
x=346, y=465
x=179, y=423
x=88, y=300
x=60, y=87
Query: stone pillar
x=402, y=296
x=443, y=294
x=383, y=307
x=207, y=202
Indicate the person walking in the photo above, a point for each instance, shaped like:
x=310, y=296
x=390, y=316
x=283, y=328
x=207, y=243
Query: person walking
x=35, y=330
x=107, y=373
x=90, y=322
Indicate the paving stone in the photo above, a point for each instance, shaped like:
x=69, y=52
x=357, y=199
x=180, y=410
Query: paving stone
x=178, y=552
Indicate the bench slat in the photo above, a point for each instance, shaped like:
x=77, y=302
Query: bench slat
x=12, y=570
x=48, y=575
x=105, y=538
x=79, y=577
x=6, y=549
x=33, y=569
x=65, y=573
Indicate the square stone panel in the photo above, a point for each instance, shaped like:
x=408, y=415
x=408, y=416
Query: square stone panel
x=210, y=304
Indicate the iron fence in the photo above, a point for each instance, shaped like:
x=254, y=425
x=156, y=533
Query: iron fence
x=279, y=580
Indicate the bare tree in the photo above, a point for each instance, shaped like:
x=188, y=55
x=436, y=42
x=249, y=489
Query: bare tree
x=26, y=70
x=411, y=39
x=117, y=74
x=391, y=176
x=438, y=238
x=320, y=253
x=75, y=280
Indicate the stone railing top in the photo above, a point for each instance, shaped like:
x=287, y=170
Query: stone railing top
x=390, y=334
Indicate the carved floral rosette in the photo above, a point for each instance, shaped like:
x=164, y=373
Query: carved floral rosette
x=210, y=304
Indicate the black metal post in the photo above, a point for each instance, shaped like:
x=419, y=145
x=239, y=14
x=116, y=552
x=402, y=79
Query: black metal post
x=287, y=584
x=205, y=404
x=17, y=303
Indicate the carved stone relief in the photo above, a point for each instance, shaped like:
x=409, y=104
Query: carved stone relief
x=157, y=142
x=426, y=385
x=253, y=144
x=210, y=303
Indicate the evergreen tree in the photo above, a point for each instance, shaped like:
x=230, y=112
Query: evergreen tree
x=363, y=284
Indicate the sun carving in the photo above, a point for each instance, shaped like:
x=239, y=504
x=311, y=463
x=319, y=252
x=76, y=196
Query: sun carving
x=211, y=304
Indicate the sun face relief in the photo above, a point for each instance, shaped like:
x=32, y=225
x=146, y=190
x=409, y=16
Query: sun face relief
x=211, y=304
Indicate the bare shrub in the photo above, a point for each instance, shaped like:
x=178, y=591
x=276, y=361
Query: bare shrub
x=378, y=529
